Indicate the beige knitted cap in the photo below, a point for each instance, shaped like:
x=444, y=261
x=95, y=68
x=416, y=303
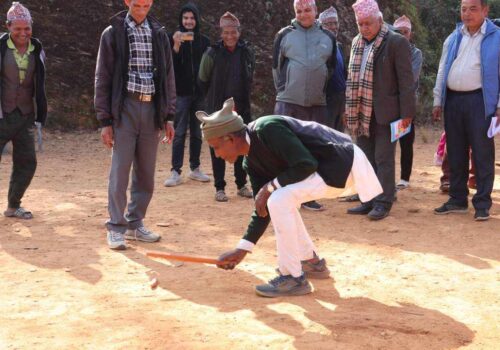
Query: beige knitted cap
x=222, y=122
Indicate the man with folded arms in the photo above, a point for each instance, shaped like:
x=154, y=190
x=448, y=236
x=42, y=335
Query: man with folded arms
x=304, y=56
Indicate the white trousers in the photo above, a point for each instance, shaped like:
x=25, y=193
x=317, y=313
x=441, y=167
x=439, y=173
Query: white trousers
x=292, y=239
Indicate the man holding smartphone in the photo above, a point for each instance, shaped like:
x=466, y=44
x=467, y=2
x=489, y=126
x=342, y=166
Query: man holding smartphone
x=188, y=45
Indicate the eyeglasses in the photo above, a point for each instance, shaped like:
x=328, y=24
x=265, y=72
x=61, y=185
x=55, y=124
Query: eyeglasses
x=329, y=24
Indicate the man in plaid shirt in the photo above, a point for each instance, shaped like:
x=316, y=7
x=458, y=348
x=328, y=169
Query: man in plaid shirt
x=140, y=73
x=132, y=109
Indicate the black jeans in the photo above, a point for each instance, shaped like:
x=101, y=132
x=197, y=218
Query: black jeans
x=185, y=117
x=466, y=126
x=406, y=143
x=19, y=129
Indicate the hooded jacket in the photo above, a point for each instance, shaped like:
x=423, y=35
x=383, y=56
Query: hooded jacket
x=187, y=60
x=303, y=61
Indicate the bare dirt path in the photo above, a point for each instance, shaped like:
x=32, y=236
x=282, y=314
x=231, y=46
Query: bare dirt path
x=412, y=281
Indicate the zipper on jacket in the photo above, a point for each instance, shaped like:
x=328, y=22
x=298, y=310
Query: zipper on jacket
x=193, y=78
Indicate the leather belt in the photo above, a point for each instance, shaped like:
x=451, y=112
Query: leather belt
x=140, y=97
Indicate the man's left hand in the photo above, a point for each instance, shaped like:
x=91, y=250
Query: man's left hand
x=406, y=122
x=261, y=201
x=169, y=133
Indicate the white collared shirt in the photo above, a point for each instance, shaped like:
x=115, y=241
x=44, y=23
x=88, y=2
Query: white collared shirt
x=364, y=59
x=465, y=72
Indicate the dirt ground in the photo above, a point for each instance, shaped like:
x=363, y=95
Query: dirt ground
x=411, y=281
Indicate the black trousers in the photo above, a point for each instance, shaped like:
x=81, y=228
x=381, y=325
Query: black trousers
x=18, y=128
x=335, y=104
x=406, y=144
x=381, y=153
x=219, y=169
x=466, y=126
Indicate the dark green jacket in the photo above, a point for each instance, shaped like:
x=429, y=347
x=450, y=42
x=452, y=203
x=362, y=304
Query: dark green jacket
x=291, y=150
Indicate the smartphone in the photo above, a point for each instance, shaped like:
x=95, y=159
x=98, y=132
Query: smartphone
x=187, y=36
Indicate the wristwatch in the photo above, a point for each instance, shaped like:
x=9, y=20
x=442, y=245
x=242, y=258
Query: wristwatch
x=270, y=187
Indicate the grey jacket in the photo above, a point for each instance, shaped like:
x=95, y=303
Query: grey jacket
x=303, y=60
x=111, y=72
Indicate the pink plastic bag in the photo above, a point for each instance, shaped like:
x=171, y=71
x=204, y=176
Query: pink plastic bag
x=438, y=157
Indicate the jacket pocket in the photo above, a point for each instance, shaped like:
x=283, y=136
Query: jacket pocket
x=283, y=77
x=296, y=86
x=387, y=109
x=318, y=80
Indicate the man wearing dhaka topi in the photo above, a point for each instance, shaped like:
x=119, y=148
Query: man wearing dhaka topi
x=23, y=102
x=289, y=162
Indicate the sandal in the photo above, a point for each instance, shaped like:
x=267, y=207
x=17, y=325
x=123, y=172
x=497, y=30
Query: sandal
x=20, y=213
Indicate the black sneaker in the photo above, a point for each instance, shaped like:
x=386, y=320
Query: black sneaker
x=448, y=208
x=284, y=286
x=313, y=206
x=362, y=209
x=482, y=215
x=378, y=213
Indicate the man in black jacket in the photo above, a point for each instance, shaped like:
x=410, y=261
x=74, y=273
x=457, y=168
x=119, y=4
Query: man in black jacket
x=289, y=161
x=134, y=99
x=188, y=45
x=23, y=101
x=227, y=71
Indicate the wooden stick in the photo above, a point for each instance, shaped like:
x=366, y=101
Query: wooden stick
x=187, y=258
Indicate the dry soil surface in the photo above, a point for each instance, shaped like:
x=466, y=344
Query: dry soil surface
x=411, y=281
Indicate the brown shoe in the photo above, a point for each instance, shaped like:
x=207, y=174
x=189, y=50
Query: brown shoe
x=316, y=271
